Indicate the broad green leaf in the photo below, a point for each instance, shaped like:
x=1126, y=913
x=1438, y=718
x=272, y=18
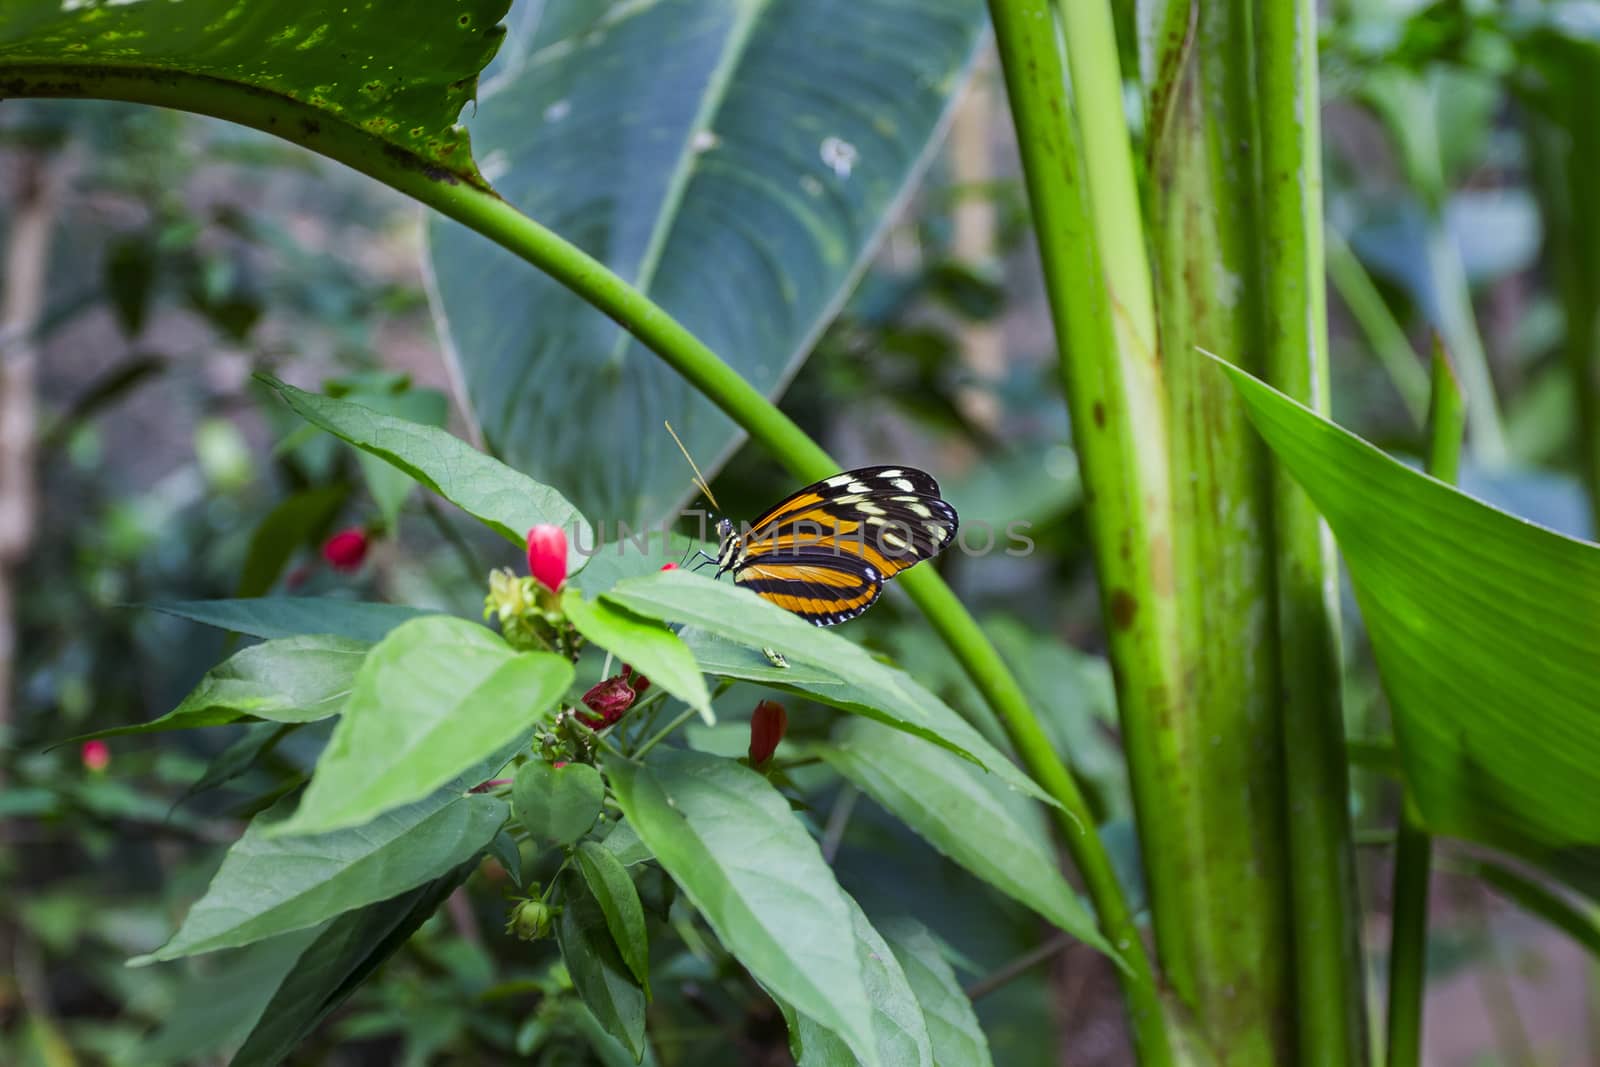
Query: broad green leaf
x=609, y=882
x=507, y=502
x=218, y=1008
x=953, y=1030
x=760, y=150
x=397, y=73
x=623, y=842
x=598, y=973
x=1486, y=629
x=822, y=665
x=557, y=805
x=506, y=852
x=296, y=521
x=347, y=950
x=271, y=617
x=269, y=884
x=293, y=679
x=388, y=484
x=897, y=1021
x=434, y=697
x=254, y=741
x=644, y=644
x=731, y=842
x=963, y=813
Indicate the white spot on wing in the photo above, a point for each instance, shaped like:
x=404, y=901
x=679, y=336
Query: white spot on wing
x=904, y=483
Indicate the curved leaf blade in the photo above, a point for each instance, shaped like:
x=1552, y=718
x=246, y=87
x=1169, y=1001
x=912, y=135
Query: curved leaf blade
x=289, y=616
x=432, y=699
x=612, y=888
x=1486, y=629
x=598, y=973
x=953, y=1030
x=960, y=811
x=418, y=60
x=732, y=844
x=269, y=885
x=747, y=230
x=822, y=665
x=507, y=502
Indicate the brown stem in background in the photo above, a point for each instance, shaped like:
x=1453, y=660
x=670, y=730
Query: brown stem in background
x=22, y=286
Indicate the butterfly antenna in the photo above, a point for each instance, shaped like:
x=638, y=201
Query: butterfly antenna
x=699, y=479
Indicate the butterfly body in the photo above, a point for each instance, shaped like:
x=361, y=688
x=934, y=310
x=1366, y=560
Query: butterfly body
x=825, y=552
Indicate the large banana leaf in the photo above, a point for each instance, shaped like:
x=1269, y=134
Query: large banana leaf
x=399, y=70
x=1486, y=630
x=733, y=159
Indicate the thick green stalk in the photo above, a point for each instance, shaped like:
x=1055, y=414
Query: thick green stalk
x=1329, y=983
x=1408, y=933
x=486, y=213
x=1113, y=386
x=1226, y=935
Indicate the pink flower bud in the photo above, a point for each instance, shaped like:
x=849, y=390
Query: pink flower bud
x=767, y=725
x=669, y=566
x=96, y=756
x=345, y=550
x=547, y=555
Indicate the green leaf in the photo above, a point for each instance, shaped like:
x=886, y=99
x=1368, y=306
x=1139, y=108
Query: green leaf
x=506, y=853
x=897, y=1021
x=963, y=813
x=644, y=644
x=598, y=973
x=297, y=521
x=270, y=884
x=271, y=617
x=623, y=842
x=731, y=842
x=434, y=697
x=418, y=63
x=609, y=882
x=953, y=1030
x=389, y=485
x=293, y=679
x=821, y=664
x=346, y=951
x=747, y=230
x=557, y=805
x=1579, y=922
x=254, y=741
x=507, y=502
x=1485, y=628
x=218, y=1008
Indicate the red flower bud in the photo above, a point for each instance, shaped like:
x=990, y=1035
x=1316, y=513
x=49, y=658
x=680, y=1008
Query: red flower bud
x=345, y=550
x=96, y=756
x=638, y=681
x=547, y=555
x=669, y=566
x=767, y=725
x=608, y=700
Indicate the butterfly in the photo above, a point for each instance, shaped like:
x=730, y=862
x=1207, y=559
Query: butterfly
x=825, y=552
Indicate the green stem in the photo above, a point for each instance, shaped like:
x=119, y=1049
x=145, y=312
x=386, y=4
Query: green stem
x=1408, y=943
x=1330, y=994
x=663, y=733
x=1408, y=938
x=586, y=276
x=1386, y=339
x=1109, y=363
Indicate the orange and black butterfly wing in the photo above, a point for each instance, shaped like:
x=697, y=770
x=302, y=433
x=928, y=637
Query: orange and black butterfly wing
x=888, y=517
x=820, y=587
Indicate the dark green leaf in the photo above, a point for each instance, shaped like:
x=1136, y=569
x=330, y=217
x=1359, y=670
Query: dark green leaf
x=821, y=664
x=293, y=679
x=644, y=644
x=389, y=485
x=412, y=64
x=730, y=840
x=557, y=805
x=962, y=812
x=506, y=852
x=1485, y=629
x=749, y=231
x=953, y=1030
x=598, y=973
x=507, y=502
x=297, y=521
x=348, y=950
x=254, y=741
x=609, y=882
x=433, y=698
x=270, y=885
x=271, y=617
